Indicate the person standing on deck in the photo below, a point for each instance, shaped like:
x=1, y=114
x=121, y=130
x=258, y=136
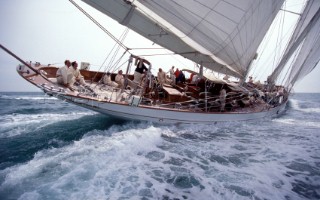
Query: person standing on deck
x=161, y=77
x=176, y=73
x=172, y=76
x=139, y=71
x=181, y=77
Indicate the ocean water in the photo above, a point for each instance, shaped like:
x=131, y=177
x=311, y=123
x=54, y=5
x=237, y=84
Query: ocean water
x=50, y=149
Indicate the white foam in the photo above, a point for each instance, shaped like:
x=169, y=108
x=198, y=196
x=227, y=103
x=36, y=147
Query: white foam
x=296, y=106
x=265, y=174
x=16, y=124
x=297, y=123
x=132, y=161
x=33, y=97
x=87, y=164
x=36, y=98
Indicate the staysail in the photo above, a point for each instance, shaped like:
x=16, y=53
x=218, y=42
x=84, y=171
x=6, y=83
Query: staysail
x=222, y=35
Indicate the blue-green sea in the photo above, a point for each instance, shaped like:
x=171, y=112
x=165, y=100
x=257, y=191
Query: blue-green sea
x=50, y=149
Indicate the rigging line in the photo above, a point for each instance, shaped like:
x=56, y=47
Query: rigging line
x=175, y=58
x=265, y=46
x=160, y=54
x=145, y=48
x=281, y=28
x=304, y=33
x=281, y=39
x=290, y=68
x=302, y=20
x=276, y=48
x=289, y=11
x=118, y=47
x=114, y=70
x=287, y=74
x=99, y=25
x=119, y=66
x=114, y=46
x=117, y=62
x=113, y=67
x=254, y=30
x=238, y=29
x=247, y=41
x=123, y=36
x=270, y=35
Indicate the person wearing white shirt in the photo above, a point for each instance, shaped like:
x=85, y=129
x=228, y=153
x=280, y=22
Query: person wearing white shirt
x=195, y=79
x=76, y=73
x=161, y=77
x=64, y=75
x=172, y=75
x=107, y=80
x=119, y=79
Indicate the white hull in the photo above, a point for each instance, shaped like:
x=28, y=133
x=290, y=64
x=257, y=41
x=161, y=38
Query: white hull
x=107, y=102
x=160, y=115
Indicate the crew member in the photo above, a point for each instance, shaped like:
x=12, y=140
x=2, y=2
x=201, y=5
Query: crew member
x=76, y=73
x=64, y=75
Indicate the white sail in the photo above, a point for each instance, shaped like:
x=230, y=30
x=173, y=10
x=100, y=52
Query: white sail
x=306, y=32
x=308, y=56
x=223, y=35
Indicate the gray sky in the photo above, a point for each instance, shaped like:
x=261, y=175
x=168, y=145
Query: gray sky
x=50, y=31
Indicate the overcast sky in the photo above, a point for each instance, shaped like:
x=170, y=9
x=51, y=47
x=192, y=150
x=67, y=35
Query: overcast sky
x=50, y=31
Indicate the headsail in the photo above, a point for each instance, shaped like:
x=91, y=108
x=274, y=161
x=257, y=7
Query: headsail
x=223, y=35
x=307, y=37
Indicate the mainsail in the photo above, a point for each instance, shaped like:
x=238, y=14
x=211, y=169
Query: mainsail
x=221, y=35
